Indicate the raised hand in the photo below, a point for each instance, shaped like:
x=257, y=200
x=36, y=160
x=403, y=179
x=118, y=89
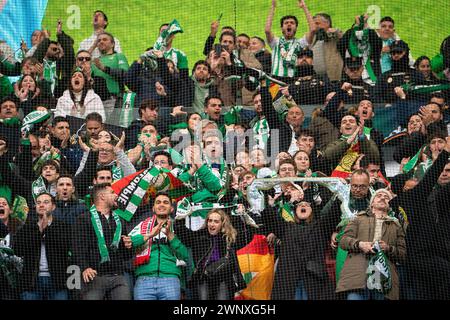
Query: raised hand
x=59, y=26
x=121, y=144
x=214, y=28
x=83, y=145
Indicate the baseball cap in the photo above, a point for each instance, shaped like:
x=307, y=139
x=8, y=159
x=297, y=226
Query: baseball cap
x=399, y=46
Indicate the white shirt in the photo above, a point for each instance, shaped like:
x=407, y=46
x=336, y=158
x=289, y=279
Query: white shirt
x=87, y=43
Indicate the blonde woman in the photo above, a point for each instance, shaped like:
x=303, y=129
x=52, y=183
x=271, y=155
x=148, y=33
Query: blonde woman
x=217, y=275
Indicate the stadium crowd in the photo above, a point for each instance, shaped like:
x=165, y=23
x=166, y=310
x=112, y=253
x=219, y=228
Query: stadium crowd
x=221, y=167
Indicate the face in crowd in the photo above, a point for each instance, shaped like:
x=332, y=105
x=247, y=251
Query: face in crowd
x=359, y=185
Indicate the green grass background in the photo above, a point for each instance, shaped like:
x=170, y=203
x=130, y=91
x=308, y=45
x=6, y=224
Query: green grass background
x=422, y=24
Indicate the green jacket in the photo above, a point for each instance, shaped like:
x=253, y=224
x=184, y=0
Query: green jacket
x=204, y=182
x=163, y=257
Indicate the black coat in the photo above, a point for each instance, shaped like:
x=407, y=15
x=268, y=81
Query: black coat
x=27, y=244
x=85, y=246
x=68, y=211
x=427, y=264
x=284, y=129
x=64, y=66
x=201, y=243
x=302, y=256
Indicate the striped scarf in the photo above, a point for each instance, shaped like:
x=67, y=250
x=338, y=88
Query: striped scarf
x=97, y=225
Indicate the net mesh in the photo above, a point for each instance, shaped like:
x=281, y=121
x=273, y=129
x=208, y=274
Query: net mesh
x=241, y=150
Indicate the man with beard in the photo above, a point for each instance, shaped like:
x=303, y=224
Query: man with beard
x=68, y=208
x=356, y=88
x=112, y=66
x=58, y=59
x=309, y=88
x=158, y=274
x=391, y=84
x=99, y=250
x=286, y=48
x=328, y=61
x=201, y=84
x=100, y=23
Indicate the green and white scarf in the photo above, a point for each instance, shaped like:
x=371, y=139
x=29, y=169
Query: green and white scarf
x=161, y=42
x=288, y=51
x=379, y=272
x=33, y=118
x=195, y=213
x=132, y=195
x=423, y=88
x=261, y=132
x=97, y=224
x=127, y=112
x=50, y=73
x=359, y=46
x=38, y=186
x=117, y=172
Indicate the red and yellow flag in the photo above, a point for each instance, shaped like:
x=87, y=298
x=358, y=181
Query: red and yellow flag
x=256, y=261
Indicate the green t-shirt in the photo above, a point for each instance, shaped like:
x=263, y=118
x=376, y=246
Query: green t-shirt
x=178, y=57
x=114, y=61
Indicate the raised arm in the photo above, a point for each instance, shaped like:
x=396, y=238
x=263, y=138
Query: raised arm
x=309, y=20
x=268, y=29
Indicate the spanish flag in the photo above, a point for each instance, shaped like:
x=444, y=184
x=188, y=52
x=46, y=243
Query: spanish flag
x=257, y=262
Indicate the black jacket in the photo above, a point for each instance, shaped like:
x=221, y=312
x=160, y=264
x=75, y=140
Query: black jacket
x=201, y=243
x=64, y=66
x=85, y=246
x=27, y=244
x=68, y=211
x=427, y=265
x=302, y=256
x=285, y=131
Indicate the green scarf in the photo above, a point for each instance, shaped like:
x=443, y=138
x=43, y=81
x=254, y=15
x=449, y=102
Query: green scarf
x=289, y=50
x=126, y=114
x=379, y=272
x=117, y=172
x=173, y=28
x=50, y=73
x=359, y=46
x=408, y=87
x=261, y=132
x=413, y=161
x=97, y=224
x=38, y=186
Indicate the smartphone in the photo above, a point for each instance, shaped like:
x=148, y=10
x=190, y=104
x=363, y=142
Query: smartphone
x=217, y=49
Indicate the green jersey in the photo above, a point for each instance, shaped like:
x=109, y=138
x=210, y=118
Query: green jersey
x=178, y=57
x=114, y=61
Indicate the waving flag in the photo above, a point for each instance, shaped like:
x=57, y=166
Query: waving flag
x=19, y=18
x=257, y=262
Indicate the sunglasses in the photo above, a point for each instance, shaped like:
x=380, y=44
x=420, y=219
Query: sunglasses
x=55, y=49
x=81, y=59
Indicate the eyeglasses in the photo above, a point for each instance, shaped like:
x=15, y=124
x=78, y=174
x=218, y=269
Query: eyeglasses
x=81, y=59
x=359, y=186
x=55, y=49
x=105, y=150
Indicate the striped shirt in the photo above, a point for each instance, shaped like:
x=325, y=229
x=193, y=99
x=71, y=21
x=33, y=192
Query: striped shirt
x=178, y=58
x=288, y=49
